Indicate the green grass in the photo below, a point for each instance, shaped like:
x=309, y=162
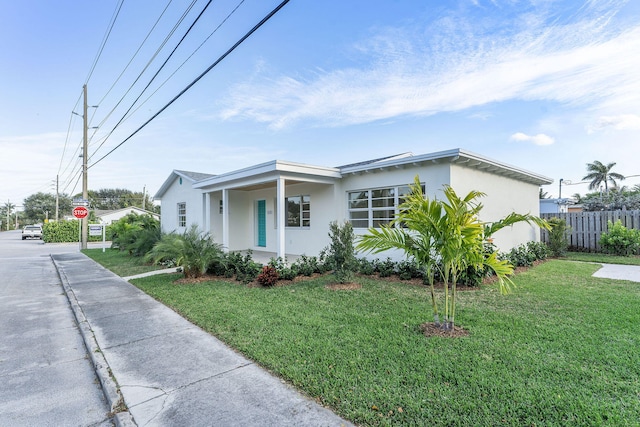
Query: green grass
x=604, y=258
x=561, y=350
x=120, y=263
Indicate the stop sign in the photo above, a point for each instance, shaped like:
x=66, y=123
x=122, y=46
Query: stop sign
x=80, y=212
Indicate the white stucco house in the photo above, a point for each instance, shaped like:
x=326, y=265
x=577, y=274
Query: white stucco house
x=110, y=216
x=283, y=207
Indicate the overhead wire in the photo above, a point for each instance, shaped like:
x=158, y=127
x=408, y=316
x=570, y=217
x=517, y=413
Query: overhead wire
x=135, y=54
x=104, y=40
x=150, y=61
x=188, y=58
x=156, y=73
x=197, y=79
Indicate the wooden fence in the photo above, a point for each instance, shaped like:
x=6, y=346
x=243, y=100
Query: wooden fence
x=586, y=227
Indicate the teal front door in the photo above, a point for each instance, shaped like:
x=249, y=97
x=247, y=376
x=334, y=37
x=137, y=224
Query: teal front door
x=261, y=216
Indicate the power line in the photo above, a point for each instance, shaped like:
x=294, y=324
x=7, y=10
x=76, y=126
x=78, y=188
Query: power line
x=104, y=40
x=158, y=71
x=161, y=85
x=153, y=57
x=190, y=85
x=136, y=52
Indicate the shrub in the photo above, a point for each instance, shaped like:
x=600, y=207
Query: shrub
x=65, y=232
x=244, y=268
x=307, y=265
x=619, y=240
x=539, y=250
x=558, y=240
x=408, y=269
x=284, y=272
x=136, y=234
x=386, y=268
x=193, y=250
x=474, y=275
x=341, y=255
x=268, y=277
x=365, y=266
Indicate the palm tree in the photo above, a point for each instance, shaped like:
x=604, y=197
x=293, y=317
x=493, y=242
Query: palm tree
x=600, y=173
x=444, y=237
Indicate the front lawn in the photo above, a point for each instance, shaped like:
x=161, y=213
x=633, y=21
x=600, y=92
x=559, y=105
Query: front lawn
x=119, y=262
x=561, y=350
x=603, y=258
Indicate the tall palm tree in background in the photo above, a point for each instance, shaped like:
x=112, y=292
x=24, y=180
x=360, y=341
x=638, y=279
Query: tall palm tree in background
x=600, y=173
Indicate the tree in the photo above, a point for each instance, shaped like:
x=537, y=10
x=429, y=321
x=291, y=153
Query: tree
x=5, y=214
x=444, y=238
x=543, y=194
x=118, y=198
x=41, y=206
x=600, y=173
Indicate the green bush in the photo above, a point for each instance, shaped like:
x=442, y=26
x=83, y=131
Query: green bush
x=386, y=268
x=193, y=250
x=408, y=269
x=65, y=232
x=619, y=240
x=558, y=239
x=136, y=234
x=341, y=254
x=284, y=272
x=244, y=268
x=365, y=266
x=307, y=265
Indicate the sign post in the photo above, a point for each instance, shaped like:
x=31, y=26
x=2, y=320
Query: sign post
x=97, y=230
x=80, y=212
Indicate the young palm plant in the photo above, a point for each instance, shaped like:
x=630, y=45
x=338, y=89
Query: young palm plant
x=444, y=237
x=193, y=250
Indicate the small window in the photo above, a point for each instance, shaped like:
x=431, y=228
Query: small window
x=182, y=214
x=298, y=211
x=221, y=210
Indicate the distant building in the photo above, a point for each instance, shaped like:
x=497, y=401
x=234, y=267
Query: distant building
x=559, y=206
x=109, y=217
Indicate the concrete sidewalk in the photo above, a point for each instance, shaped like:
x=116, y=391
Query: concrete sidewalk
x=168, y=371
x=619, y=272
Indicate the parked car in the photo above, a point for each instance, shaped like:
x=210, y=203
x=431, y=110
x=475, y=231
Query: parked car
x=32, y=232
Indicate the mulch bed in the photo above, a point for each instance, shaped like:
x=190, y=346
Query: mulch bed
x=431, y=330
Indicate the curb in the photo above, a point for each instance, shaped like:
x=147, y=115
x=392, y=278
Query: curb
x=103, y=371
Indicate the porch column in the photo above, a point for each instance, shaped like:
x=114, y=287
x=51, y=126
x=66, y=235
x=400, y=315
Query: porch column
x=282, y=214
x=207, y=212
x=225, y=219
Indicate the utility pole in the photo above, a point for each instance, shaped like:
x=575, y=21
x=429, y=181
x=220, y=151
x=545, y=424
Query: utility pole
x=85, y=191
x=57, y=197
x=144, y=195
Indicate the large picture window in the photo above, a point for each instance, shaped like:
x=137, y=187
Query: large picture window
x=182, y=214
x=298, y=211
x=375, y=207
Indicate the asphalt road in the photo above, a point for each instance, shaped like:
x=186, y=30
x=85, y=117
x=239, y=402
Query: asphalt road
x=46, y=376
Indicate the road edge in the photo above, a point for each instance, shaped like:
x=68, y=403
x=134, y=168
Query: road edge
x=122, y=418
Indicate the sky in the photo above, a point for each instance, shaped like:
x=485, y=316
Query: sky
x=544, y=85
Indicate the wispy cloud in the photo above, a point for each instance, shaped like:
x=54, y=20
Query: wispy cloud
x=585, y=60
x=620, y=122
x=539, y=139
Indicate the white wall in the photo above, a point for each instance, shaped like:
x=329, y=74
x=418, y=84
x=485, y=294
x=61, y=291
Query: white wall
x=503, y=196
x=175, y=194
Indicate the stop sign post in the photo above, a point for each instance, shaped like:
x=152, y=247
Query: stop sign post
x=80, y=212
